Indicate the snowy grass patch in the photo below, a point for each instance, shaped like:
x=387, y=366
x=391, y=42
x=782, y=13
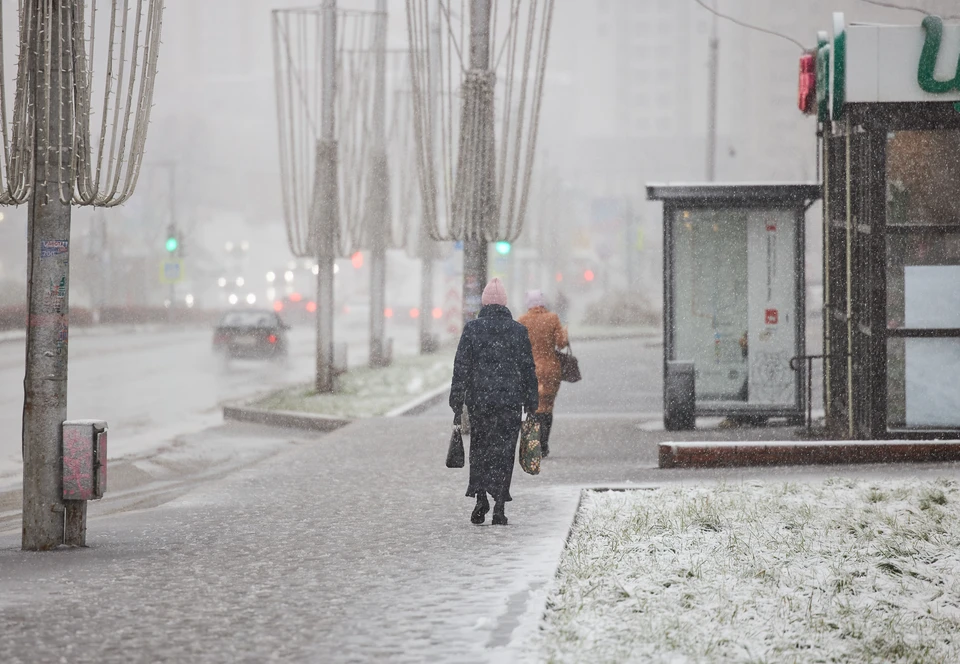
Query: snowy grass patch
x=366, y=392
x=839, y=571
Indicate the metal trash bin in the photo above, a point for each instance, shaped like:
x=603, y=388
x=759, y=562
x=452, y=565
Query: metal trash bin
x=679, y=396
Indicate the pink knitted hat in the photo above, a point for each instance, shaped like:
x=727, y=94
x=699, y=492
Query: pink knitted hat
x=535, y=299
x=494, y=293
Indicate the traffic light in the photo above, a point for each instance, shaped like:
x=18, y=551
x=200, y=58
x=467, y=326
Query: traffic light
x=503, y=248
x=173, y=241
x=807, y=88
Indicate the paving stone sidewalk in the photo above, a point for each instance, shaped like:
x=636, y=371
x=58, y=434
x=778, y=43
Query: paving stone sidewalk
x=356, y=547
x=353, y=546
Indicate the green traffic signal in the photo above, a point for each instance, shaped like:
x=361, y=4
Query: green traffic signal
x=503, y=248
x=172, y=244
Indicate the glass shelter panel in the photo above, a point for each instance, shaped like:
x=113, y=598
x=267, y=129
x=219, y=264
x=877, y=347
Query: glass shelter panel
x=734, y=303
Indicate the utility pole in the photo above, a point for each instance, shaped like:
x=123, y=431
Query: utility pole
x=45, y=380
x=426, y=243
x=380, y=194
x=174, y=229
x=475, y=251
x=713, y=73
x=630, y=243
x=325, y=224
x=57, y=159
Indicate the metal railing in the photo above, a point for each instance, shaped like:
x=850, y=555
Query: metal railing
x=795, y=366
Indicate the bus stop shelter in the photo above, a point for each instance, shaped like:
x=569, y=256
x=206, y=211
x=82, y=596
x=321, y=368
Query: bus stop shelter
x=733, y=294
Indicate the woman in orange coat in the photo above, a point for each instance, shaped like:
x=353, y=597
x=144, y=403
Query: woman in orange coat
x=546, y=336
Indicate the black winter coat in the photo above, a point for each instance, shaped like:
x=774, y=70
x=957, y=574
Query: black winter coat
x=494, y=366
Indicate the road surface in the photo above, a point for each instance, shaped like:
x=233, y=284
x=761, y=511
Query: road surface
x=623, y=377
x=152, y=387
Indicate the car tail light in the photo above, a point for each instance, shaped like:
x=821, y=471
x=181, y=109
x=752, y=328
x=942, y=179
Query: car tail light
x=219, y=339
x=437, y=312
x=278, y=306
x=295, y=297
x=388, y=312
x=311, y=306
x=414, y=313
x=272, y=338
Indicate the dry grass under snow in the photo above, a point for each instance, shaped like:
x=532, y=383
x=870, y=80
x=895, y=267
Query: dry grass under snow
x=840, y=571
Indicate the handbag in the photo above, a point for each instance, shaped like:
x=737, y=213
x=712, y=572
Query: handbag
x=455, y=456
x=530, y=454
x=569, y=366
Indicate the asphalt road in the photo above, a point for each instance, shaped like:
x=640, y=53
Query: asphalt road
x=154, y=386
x=623, y=377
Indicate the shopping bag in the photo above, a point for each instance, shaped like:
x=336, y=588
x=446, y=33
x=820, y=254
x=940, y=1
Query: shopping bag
x=455, y=456
x=530, y=454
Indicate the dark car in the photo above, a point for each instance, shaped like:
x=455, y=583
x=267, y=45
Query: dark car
x=251, y=333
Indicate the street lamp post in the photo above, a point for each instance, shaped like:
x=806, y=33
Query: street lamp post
x=53, y=114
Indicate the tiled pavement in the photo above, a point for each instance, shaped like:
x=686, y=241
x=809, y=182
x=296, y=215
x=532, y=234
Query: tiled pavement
x=354, y=547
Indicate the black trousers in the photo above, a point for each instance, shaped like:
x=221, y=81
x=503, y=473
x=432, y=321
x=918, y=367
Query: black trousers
x=493, y=451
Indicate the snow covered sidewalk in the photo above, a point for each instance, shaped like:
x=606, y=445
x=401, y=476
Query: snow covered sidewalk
x=366, y=392
x=833, y=571
x=354, y=546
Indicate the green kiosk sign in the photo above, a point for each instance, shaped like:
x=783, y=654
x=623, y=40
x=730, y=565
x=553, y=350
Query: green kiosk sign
x=869, y=63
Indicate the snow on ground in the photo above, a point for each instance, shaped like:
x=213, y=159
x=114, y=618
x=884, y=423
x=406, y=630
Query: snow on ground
x=366, y=392
x=838, y=571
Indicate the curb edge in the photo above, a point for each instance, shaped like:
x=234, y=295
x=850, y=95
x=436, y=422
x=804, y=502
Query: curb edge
x=284, y=418
x=421, y=404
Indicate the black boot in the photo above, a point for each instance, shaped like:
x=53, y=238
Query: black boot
x=546, y=424
x=499, y=518
x=480, y=511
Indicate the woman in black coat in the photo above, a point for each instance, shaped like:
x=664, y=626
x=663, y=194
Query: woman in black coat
x=494, y=375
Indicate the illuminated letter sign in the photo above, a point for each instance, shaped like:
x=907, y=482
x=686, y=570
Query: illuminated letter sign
x=933, y=26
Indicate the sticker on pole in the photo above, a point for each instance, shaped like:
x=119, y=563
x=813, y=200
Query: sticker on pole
x=772, y=317
x=171, y=272
x=53, y=248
